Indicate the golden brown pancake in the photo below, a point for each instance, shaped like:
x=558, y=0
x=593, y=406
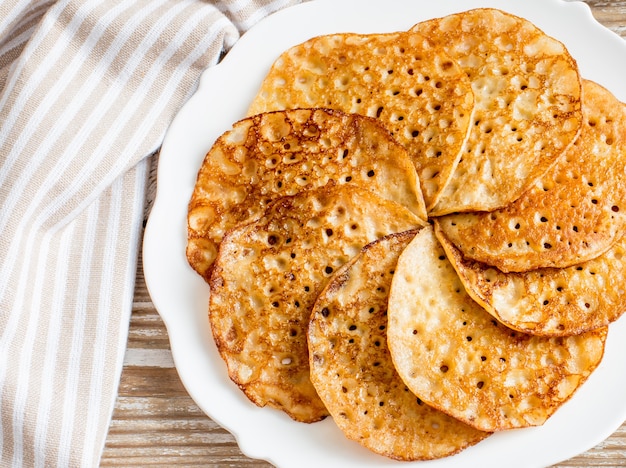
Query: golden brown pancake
x=414, y=89
x=267, y=276
x=548, y=301
x=456, y=357
x=352, y=370
x=572, y=214
x=282, y=153
x=527, y=108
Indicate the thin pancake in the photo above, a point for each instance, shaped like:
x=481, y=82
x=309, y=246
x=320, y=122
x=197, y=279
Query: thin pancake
x=527, y=109
x=415, y=90
x=281, y=153
x=574, y=213
x=354, y=375
x=456, y=357
x=548, y=301
x=267, y=276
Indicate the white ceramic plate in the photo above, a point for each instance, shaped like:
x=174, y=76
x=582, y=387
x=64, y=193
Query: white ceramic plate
x=181, y=296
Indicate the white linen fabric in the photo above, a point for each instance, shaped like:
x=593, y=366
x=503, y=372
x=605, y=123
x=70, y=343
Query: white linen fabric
x=87, y=90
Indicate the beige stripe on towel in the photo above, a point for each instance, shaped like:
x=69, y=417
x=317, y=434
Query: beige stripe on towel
x=87, y=90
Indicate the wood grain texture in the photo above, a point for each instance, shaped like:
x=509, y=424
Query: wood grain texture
x=155, y=422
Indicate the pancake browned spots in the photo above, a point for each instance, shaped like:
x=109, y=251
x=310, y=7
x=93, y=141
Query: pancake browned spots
x=352, y=370
x=414, y=89
x=572, y=214
x=267, y=276
x=456, y=357
x=527, y=108
x=548, y=301
x=282, y=153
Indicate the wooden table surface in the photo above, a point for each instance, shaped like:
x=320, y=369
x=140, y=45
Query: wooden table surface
x=156, y=423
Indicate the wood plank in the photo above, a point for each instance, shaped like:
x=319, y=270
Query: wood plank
x=611, y=14
x=151, y=381
x=181, y=407
x=142, y=357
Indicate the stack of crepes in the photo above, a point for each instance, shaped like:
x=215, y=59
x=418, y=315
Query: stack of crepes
x=418, y=233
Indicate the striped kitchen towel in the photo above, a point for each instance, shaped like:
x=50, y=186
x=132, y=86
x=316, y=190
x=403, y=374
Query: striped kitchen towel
x=87, y=90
